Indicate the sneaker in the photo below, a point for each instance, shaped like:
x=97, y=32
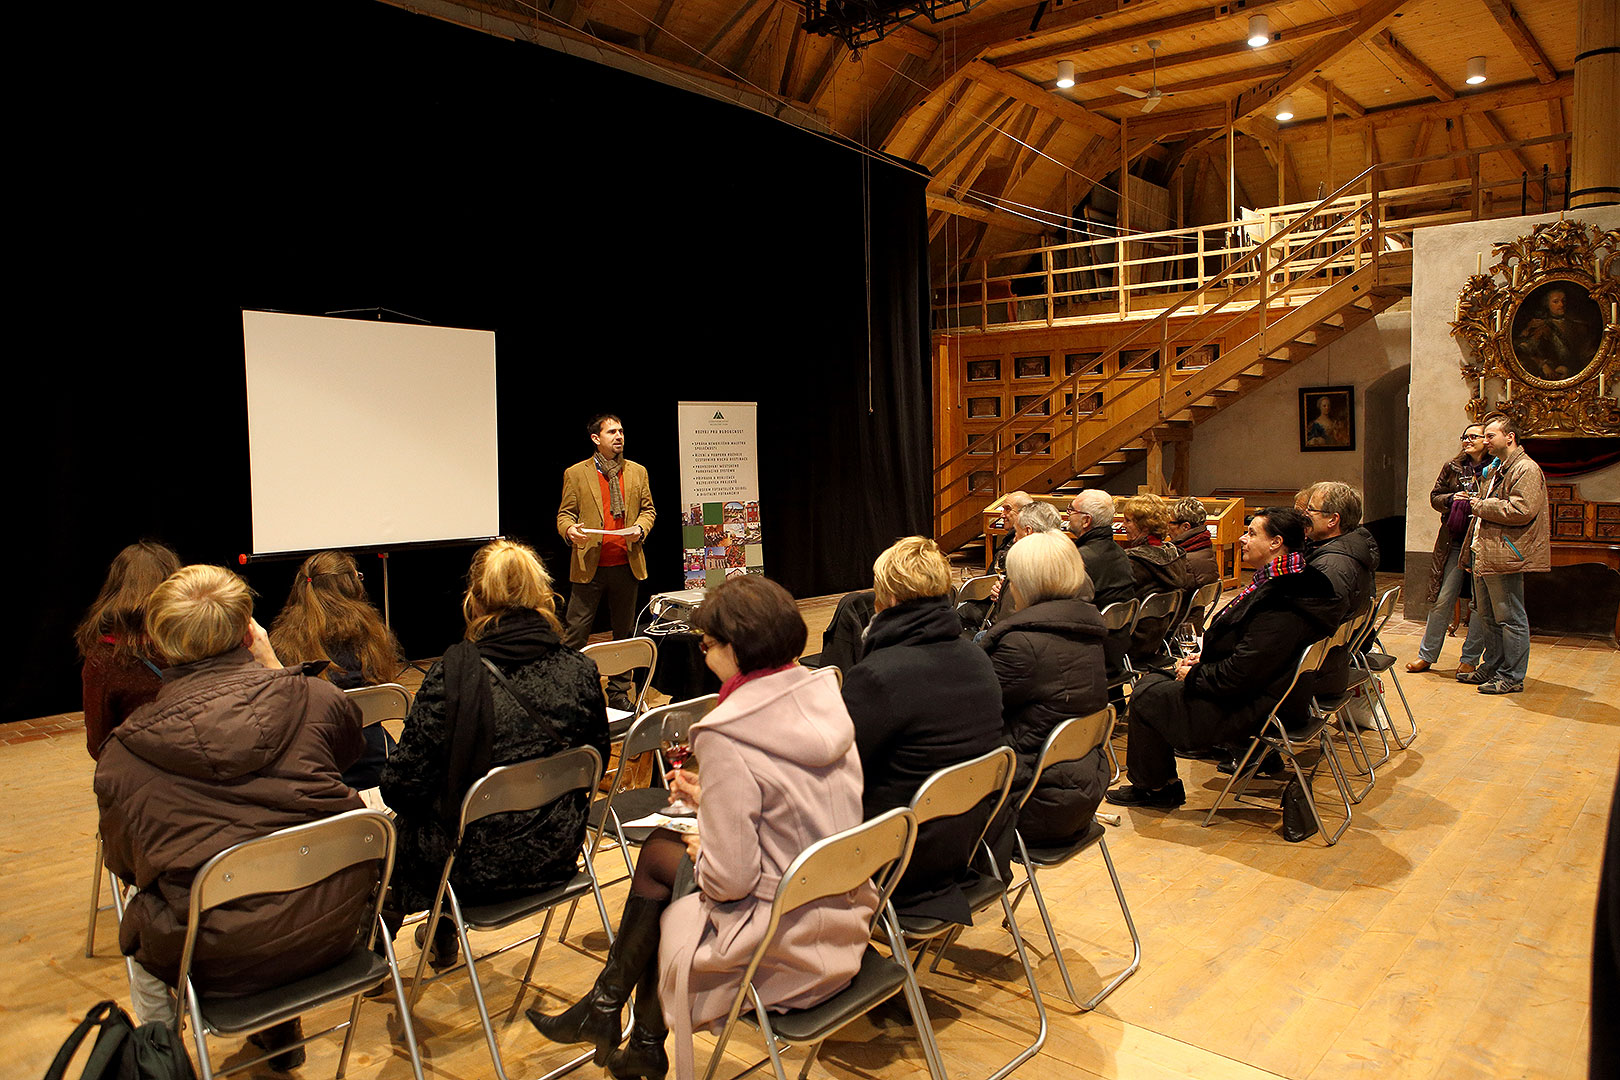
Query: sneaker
x=1500, y=685
x=1168, y=797
x=1474, y=678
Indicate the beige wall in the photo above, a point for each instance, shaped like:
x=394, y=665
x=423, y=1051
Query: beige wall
x=1443, y=259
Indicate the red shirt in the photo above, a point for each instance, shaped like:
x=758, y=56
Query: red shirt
x=615, y=549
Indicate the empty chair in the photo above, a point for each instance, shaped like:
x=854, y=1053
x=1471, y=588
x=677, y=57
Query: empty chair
x=514, y=789
x=614, y=658
x=285, y=861
x=1376, y=661
x=1071, y=741
x=876, y=850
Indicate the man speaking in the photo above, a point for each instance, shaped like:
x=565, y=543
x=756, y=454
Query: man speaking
x=605, y=515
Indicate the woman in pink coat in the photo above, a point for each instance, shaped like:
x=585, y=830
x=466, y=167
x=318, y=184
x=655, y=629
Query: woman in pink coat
x=780, y=772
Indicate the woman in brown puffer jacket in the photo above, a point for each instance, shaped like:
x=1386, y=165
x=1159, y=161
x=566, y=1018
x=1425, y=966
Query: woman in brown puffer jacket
x=234, y=747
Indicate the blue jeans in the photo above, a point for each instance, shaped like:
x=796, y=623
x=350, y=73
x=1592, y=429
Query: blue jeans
x=1500, y=602
x=1434, y=631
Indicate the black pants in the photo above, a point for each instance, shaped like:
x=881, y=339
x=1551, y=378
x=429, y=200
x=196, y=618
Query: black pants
x=1164, y=719
x=618, y=585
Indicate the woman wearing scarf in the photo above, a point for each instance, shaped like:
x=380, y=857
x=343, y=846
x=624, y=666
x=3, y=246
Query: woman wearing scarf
x=467, y=720
x=1447, y=578
x=1249, y=656
x=779, y=772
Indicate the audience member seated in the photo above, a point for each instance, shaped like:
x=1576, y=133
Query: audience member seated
x=1250, y=654
x=1189, y=531
x=466, y=720
x=121, y=670
x=780, y=772
x=1091, y=523
x=921, y=699
x=843, y=642
x=1157, y=565
x=1048, y=656
x=1036, y=518
x=233, y=747
x=977, y=613
x=328, y=617
x=1347, y=554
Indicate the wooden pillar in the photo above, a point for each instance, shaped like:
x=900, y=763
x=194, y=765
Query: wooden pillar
x=1331, y=186
x=1181, y=470
x=1231, y=167
x=1155, y=466
x=1595, y=171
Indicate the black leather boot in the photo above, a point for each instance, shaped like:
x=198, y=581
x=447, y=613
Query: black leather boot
x=643, y=1056
x=595, y=1018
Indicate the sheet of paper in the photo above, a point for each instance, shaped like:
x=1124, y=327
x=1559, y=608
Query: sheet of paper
x=664, y=821
x=631, y=531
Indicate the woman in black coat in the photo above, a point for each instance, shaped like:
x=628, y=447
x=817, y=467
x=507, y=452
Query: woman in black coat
x=922, y=698
x=465, y=722
x=1048, y=656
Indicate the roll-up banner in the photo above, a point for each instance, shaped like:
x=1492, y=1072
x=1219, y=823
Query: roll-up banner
x=719, y=491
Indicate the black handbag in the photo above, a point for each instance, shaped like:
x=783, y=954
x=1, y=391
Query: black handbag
x=123, y=1051
x=1298, y=824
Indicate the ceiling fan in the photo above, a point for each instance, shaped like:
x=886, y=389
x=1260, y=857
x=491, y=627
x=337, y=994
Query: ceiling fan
x=1150, y=98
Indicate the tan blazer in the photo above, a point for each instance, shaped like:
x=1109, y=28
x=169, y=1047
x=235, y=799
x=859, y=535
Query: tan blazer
x=1511, y=533
x=582, y=505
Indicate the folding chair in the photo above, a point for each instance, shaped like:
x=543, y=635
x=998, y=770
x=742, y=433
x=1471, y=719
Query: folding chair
x=1288, y=741
x=1373, y=659
x=287, y=860
x=528, y=785
x=1160, y=605
x=878, y=851
x=1336, y=707
x=97, y=872
x=385, y=701
x=1203, y=602
x=1070, y=741
x=1119, y=620
x=951, y=792
x=975, y=589
x=616, y=658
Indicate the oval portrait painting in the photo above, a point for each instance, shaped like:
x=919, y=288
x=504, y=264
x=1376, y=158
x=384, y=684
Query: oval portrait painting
x=1556, y=331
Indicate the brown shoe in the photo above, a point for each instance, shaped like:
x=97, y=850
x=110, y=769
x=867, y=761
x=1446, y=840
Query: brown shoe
x=1465, y=669
x=1417, y=666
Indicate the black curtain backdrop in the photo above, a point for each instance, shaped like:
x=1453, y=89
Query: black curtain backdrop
x=632, y=245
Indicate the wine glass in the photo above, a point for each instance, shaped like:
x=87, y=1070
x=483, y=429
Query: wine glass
x=1470, y=484
x=677, y=749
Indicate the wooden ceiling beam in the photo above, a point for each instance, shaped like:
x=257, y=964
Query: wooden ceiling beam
x=1208, y=82
x=984, y=127
x=738, y=60
x=1142, y=31
x=1021, y=89
x=1332, y=93
x=1514, y=155
x=788, y=73
x=1504, y=97
x=973, y=212
x=958, y=90
x=1017, y=131
x=1370, y=18
x=1523, y=41
x=740, y=20
x=1033, y=21
x=1218, y=51
x=656, y=25
x=824, y=74
x=1385, y=43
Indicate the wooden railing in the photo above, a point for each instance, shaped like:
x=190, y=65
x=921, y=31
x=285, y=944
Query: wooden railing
x=1137, y=270
x=1292, y=258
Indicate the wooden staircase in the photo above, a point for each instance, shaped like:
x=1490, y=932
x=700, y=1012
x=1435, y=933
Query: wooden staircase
x=1306, y=286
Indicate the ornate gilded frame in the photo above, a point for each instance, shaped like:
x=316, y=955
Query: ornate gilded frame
x=1557, y=374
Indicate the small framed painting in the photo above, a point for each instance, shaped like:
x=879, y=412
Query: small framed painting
x=1032, y=367
x=1327, y=418
x=983, y=370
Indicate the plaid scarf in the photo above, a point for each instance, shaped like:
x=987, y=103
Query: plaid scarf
x=1292, y=563
x=611, y=470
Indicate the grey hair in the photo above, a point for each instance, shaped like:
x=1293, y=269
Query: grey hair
x=1040, y=517
x=1098, y=504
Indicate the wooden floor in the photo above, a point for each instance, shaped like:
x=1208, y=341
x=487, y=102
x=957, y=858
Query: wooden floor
x=1447, y=935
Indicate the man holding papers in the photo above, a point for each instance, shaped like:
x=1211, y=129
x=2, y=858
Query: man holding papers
x=605, y=515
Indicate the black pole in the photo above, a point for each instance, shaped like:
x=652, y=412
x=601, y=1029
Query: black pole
x=1545, y=194
x=1524, y=193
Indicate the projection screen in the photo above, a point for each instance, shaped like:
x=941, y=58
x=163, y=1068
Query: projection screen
x=368, y=434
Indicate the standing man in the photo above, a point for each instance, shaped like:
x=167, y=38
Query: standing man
x=605, y=492
x=1509, y=537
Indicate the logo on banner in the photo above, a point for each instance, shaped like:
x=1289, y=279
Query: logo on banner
x=719, y=416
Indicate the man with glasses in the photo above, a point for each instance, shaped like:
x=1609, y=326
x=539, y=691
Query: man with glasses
x=1459, y=477
x=1509, y=537
x=1347, y=555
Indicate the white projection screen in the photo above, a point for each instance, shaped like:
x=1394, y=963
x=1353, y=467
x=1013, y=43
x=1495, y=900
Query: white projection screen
x=368, y=434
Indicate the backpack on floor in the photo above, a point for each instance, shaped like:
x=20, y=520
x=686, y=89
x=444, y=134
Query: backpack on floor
x=123, y=1051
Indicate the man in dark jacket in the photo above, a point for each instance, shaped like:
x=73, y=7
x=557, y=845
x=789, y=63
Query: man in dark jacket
x=1347, y=555
x=922, y=698
x=1091, y=523
x=234, y=747
x=1249, y=657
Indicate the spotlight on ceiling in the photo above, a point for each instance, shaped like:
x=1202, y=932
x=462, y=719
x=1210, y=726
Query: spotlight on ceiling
x=1285, y=107
x=1259, y=31
x=1065, y=77
x=1476, y=70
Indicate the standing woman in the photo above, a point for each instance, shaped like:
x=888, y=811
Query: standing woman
x=121, y=668
x=329, y=617
x=467, y=719
x=1449, y=496
x=780, y=772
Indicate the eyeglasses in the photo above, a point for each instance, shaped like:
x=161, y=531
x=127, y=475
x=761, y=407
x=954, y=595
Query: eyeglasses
x=705, y=643
x=1317, y=510
x=1471, y=438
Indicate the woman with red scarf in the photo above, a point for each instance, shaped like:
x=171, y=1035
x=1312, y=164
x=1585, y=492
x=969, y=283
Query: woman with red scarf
x=780, y=771
x=1250, y=651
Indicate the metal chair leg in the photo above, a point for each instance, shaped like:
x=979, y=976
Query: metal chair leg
x=1130, y=924
x=95, y=901
x=1242, y=764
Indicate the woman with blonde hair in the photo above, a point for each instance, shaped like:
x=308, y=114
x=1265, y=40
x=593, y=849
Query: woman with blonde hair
x=922, y=698
x=541, y=698
x=122, y=670
x=328, y=617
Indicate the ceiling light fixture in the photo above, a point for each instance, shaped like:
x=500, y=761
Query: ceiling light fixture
x=1065, y=77
x=1259, y=31
x=1476, y=70
x=1285, y=107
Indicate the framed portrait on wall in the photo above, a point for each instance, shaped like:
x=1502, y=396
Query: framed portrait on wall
x=1032, y=367
x=1556, y=331
x=983, y=370
x=1327, y=418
